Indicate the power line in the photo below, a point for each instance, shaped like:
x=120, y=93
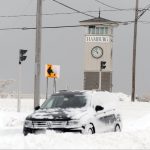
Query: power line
x=32, y=15
x=144, y=22
x=17, y=28
x=33, y=28
x=26, y=6
x=143, y=11
x=108, y=5
x=72, y=8
x=68, y=26
x=116, y=10
x=70, y=13
x=16, y=16
x=49, y=14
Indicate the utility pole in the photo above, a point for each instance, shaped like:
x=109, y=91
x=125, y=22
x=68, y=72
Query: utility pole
x=134, y=52
x=38, y=54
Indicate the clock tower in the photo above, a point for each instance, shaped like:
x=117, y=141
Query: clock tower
x=98, y=53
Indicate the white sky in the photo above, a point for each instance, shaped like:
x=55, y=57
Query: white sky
x=65, y=46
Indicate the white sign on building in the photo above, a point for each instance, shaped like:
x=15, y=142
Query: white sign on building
x=102, y=39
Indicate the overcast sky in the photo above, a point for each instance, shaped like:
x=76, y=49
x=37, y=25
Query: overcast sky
x=65, y=47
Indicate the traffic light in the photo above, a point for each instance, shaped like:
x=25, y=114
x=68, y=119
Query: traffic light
x=103, y=65
x=22, y=56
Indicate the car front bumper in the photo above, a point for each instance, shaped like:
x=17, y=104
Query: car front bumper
x=40, y=130
x=63, y=126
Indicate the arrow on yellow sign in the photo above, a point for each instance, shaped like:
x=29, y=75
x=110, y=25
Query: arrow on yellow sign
x=52, y=71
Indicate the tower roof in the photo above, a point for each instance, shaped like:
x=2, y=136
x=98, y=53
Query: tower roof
x=98, y=21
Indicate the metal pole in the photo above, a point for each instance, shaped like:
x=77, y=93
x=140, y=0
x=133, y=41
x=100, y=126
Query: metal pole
x=100, y=80
x=46, y=87
x=19, y=89
x=54, y=86
x=38, y=54
x=134, y=52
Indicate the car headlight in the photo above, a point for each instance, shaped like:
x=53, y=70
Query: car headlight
x=28, y=123
x=73, y=122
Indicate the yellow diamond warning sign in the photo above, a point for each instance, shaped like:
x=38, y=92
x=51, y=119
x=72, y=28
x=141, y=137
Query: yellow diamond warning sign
x=52, y=71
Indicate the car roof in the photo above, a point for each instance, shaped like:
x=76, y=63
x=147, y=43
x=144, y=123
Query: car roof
x=81, y=92
x=66, y=92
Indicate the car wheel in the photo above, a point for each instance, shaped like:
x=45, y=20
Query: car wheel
x=117, y=128
x=25, y=133
x=88, y=129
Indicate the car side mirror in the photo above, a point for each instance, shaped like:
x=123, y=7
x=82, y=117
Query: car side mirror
x=37, y=107
x=99, y=108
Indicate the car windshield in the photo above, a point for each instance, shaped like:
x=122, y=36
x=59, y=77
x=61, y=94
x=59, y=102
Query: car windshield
x=65, y=101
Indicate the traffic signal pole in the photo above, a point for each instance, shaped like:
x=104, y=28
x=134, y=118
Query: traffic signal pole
x=100, y=79
x=22, y=57
x=19, y=89
x=102, y=66
x=38, y=54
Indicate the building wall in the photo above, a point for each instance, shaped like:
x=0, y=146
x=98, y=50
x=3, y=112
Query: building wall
x=92, y=64
x=93, y=79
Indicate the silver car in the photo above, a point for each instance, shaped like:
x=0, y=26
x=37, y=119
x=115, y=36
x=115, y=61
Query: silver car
x=78, y=111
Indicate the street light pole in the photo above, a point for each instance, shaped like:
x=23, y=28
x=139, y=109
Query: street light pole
x=38, y=54
x=134, y=52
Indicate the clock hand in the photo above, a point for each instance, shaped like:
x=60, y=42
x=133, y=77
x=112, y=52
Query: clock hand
x=96, y=51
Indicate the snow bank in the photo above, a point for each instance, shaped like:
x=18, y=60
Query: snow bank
x=122, y=97
x=135, y=134
x=11, y=119
x=139, y=124
x=52, y=140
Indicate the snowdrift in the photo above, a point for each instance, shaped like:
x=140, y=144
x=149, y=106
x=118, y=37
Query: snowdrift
x=135, y=134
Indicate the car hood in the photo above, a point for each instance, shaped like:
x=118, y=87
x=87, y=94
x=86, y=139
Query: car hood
x=58, y=114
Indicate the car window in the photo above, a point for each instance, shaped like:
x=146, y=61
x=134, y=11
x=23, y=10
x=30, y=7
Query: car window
x=65, y=101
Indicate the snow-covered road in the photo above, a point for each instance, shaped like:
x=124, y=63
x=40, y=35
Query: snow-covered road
x=135, y=134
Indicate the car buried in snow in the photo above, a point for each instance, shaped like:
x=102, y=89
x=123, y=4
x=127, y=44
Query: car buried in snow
x=75, y=111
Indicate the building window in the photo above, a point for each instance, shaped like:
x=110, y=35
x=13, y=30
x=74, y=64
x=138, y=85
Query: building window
x=111, y=31
x=102, y=31
x=106, y=30
x=91, y=29
x=98, y=30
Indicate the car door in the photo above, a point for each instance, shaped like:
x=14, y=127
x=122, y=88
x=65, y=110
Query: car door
x=99, y=115
x=109, y=120
x=105, y=118
x=100, y=121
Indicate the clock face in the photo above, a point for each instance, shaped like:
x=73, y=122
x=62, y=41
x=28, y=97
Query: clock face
x=97, y=52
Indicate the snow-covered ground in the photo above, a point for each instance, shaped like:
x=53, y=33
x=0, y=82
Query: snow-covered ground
x=135, y=133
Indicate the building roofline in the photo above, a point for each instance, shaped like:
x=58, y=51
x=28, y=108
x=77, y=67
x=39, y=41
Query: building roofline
x=99, y=21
